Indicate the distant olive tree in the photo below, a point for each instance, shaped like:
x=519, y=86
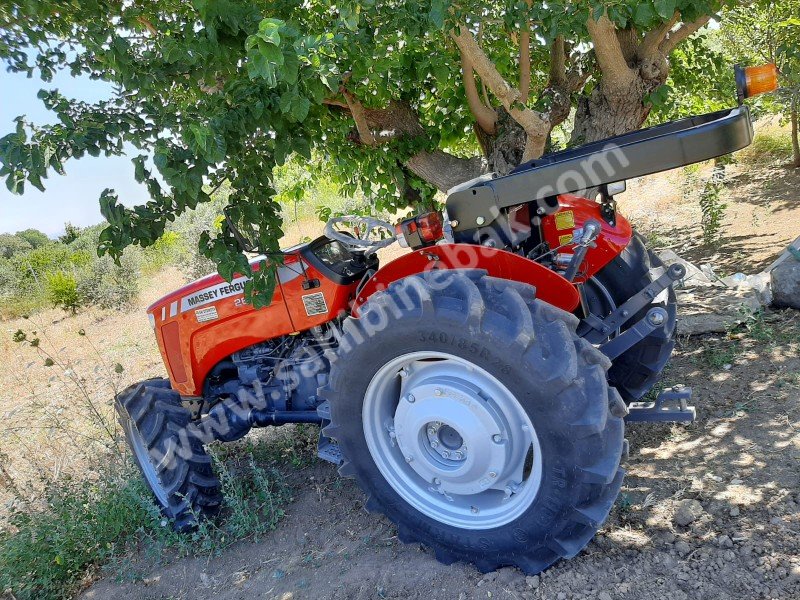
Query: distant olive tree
x=770, y=32
x=34, y=237
x=12, y=244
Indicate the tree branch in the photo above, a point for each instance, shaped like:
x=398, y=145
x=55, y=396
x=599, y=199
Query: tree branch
x=147, y=25
x=608, y=53
x=380, y=125
x=335, y=102
x=484, y=115
x=525, y=65
x=443, y=170
x=360, y=118
x=653, y=38
x=558, y=62
x=684, y=31
x=525, y=58
x=536, y=126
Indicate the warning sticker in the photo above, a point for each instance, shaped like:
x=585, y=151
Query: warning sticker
x=565, y=239
x=565, y=220
x=315, y=304
x=206, y=314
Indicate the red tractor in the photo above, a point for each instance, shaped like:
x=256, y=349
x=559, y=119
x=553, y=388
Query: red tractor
x=477, y=387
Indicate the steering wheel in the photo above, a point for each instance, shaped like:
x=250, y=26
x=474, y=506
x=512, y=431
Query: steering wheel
x=369, y=233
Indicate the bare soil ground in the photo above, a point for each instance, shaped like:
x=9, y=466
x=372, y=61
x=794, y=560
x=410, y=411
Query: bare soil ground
x=740, y=460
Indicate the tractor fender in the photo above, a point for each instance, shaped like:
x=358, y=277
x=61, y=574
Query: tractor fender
x=550, y=286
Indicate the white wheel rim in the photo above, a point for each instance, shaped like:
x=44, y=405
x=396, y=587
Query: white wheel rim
x=452, y=440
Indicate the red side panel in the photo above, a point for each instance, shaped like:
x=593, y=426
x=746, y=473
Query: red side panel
x=573, y=212
x=550, y=286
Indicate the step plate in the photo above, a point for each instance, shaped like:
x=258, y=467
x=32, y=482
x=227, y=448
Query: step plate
x=670, y=406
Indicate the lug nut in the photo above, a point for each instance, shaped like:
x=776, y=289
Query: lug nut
x=409, y=458
x=474, y=510
x=480, y=220
x=437, y=391
x=445, y=454
x=657, y=318
x=492, y=474
x=436, y=481
x=459, y=456
x=410, y=398
x=497, y=438
x=434, y=444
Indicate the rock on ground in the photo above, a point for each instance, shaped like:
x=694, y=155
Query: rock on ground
x=786, y=284
x=687, y=512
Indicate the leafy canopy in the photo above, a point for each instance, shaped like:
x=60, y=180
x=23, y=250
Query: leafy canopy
x=220, y=91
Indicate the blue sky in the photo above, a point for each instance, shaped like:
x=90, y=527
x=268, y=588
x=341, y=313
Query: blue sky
x=72, y=197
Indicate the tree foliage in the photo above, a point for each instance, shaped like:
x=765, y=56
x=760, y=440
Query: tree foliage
x=769, y=32
x=34, y=237
x=13, y=244
x=396, y=99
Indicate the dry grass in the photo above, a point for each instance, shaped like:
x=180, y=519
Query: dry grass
x=762, y=215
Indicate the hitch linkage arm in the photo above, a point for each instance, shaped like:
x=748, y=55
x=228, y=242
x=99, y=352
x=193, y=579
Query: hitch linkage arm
x=634, y=304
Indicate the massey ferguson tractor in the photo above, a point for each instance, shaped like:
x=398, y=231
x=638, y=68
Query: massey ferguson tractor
x=477, y=387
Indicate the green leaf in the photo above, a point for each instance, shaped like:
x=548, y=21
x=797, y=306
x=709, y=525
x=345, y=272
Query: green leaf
x=644, y=14
x=269, y=30
x=349, y=13
x=302, y=147
x=300, y=108
x=139, y=173
x=437, y=13
x=665, y=8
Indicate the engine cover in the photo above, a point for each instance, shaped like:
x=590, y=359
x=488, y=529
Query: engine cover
x=204, y=323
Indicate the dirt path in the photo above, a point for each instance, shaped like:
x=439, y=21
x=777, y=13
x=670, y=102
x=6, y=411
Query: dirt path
x=761, y=217
x=740, y=461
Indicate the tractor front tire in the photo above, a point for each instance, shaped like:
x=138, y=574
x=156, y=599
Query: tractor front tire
x=172, y=460
x=474, y=418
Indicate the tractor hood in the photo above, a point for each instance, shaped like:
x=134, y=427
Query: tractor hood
x=201, y=292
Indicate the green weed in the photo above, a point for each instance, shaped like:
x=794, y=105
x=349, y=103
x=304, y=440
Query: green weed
x=48, y=547
x=53, y=543
x=769, y=145
x=712, y=206
x=59, y=530
x=719, y=356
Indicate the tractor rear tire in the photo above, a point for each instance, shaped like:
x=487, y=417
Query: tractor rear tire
x=440, y=386
x=173, y=462
x=636, y=371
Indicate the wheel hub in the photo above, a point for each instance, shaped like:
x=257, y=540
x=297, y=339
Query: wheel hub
x=446, y=441
x=452, y=440
x=448, y=431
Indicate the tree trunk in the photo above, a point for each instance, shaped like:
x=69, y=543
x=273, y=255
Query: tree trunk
x=503, y=151
x=602, y=115
x=795, y=141
x=443, y=170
